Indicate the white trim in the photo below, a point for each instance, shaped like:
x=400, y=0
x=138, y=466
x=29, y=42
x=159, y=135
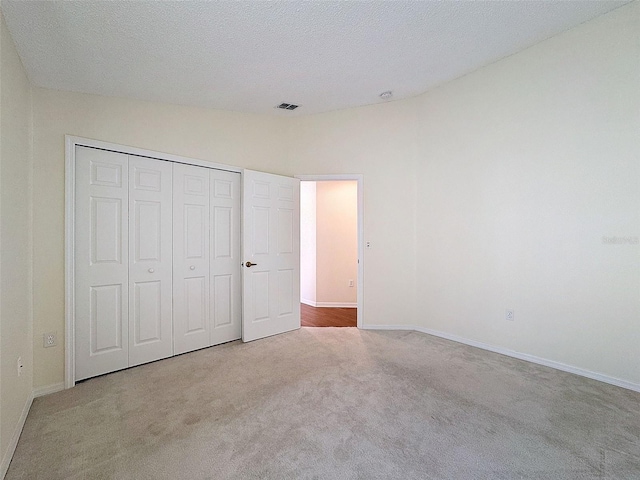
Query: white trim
x=391, y=327
x=48, y=389
x=336, y=305
x=141, y=152
x=13, y=442
x=329, y=178
x=311, y=303
x=360, y=281
x=69, y=219
x=512, y=353
x=69, y=260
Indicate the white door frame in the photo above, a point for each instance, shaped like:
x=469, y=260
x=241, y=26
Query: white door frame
x=359, y=178
x=69, y=221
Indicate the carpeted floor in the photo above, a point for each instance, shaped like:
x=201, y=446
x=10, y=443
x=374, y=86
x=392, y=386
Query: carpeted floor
x=334, y=403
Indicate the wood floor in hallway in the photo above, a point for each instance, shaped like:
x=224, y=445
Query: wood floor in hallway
x=327, y=317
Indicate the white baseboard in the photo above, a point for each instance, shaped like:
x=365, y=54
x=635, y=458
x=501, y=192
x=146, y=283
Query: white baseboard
x=336, y=305
x=311, y=303
x=13, y=442
x=511, y=353
x=47, y=389
x=389, y=327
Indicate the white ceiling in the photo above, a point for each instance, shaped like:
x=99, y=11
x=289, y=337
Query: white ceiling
x=251, y=56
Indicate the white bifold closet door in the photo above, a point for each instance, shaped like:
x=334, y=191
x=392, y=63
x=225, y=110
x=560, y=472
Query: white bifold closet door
x=157, y=266
x=150, y=260
x=206, y=263
x=102, y=262
x=225, y=297
x=190, y=257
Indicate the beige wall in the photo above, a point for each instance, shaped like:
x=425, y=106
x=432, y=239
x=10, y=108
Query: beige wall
x=524, y=167
x=243, y=140
x=337, y=242
x=494, y=191
x=15, y=240
x=308, y=243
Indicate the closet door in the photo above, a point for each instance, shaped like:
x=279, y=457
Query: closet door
x=150, y=260
x=226, y=302
x=190, y=258
x=101, y=262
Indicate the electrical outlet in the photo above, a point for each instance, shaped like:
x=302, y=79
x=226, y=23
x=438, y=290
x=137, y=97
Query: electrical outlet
x=351, y=283
x=508, y=315
x=20, y=366
x=50, y=339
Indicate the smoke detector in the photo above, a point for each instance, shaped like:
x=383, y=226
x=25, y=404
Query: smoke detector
x=386, y=95
x=287, y=106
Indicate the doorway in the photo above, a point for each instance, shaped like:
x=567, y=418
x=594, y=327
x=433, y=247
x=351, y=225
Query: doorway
x=330, y=260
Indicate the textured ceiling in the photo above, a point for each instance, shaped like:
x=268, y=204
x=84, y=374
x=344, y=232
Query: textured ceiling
x=251, y=56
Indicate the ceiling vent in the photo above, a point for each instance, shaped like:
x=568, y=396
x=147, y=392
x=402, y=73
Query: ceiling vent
x=287, y=106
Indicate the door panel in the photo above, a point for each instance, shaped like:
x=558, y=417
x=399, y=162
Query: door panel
x=271, y=288
x=101, y=269
x=260, y=283
x=106, y=319
x=223, y=300
x=285, y=231
x=261, y=220
x=147, y=312
x=148, y=223
x=195, y=221
x=226, y=284
x=286, y=292
x=196, y=306
x=223, y=234
x=106, y=234
x=150, y=260
x=190, y=257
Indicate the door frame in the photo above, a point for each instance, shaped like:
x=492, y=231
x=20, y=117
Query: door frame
x=359, y=178
x=71, y=142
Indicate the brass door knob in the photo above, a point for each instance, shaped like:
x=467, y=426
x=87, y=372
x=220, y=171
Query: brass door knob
x=249, y=264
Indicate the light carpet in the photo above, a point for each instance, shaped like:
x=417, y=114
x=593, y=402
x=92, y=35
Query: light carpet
x=334, y=403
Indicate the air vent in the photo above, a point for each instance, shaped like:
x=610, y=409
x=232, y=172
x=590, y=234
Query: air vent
x=287, y=106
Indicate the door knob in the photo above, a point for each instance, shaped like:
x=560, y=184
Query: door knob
x=151, y=270
x=192, y=267
x=249, y=264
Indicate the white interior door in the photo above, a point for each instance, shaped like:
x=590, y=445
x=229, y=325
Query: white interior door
x=150, y=260
x=101, y=262
x=191, y=273
x=271, y=252
x=225, y=306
